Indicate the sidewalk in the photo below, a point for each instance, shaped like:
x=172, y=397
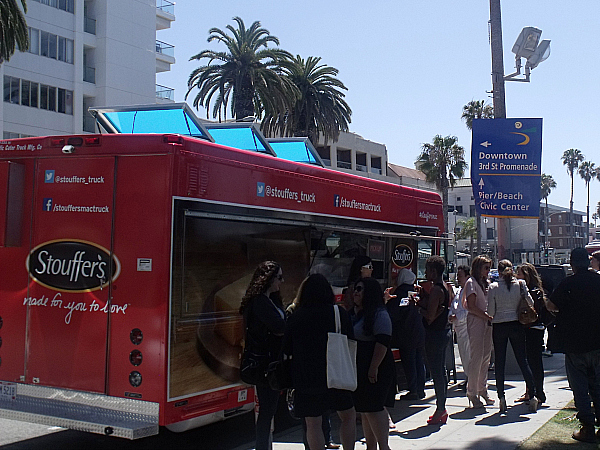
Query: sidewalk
x=466, y=428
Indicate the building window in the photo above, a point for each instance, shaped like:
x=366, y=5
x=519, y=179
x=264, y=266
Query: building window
x=34, y=41
x=344, y=160
x=472, y=211
x=65, y=5
x=376, y=165
x=361, y=162
x=490, y=233
x=560, y=242
x=27, y=93
x=560, y=230
x=65, y=101
x=472, y=198
x=50, y=45
x=458, y=199
x=459, y=209
x=11, y=89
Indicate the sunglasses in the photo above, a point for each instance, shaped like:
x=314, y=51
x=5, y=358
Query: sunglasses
x=368, y=266
x=358, y=289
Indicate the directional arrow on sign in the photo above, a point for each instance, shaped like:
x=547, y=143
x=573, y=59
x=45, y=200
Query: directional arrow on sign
x=486, y=144
x=481, y=183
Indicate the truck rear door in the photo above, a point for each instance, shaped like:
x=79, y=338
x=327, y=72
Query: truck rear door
x=71, y=267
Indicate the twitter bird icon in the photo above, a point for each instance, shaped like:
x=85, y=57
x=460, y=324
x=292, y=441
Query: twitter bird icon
x=49, y=178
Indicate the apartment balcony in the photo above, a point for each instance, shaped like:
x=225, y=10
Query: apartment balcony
x=164, y=94
x=89, y=25
x=89, y=124
x=361, y=168
x=165, y=56
x=165, y=14
x=89, y=74
x=344, y=165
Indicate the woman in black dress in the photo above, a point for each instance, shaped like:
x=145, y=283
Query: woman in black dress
x=374, y=362
x=265, y=321
x=306, y=342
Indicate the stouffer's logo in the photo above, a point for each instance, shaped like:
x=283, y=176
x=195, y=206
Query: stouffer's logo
x=427, y=216
x=72, y=265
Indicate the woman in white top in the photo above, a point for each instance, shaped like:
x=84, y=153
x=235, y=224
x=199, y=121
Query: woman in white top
x=480, y=331
x=504, y=296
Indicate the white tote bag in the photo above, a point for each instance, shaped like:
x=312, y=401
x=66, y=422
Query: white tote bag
x=341, y=358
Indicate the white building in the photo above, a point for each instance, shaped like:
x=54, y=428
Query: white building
x=82, y=54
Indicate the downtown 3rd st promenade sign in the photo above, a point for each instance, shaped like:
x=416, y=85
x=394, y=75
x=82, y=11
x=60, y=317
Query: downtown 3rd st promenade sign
x=506, y=160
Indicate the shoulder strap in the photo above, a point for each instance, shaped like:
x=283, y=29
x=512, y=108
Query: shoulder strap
x=338, y=325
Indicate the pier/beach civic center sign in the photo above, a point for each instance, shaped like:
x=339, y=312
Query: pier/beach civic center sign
x=506, y=161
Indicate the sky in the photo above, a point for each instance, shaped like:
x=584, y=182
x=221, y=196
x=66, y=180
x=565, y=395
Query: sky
x=410, y=67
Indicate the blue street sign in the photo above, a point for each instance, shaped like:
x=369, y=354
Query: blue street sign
x=506, y=162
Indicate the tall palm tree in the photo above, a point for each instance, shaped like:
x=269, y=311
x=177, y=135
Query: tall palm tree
x=319, y=111
x=477, y=109
x=13, y=28
x=442, y=162
x=547, y=183
x=571, y=158
x=587, y=171
x=249, y=75
x=468, y=230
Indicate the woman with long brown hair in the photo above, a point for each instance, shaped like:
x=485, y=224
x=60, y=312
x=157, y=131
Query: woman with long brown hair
x=480, y=331
x=265, y=324
x=534, y=333
x=504, y=297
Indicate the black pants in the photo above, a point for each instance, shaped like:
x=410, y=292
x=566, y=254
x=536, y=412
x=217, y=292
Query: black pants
x=501, y=334
x=414, y=368
x=534, y=340
x=267, y=407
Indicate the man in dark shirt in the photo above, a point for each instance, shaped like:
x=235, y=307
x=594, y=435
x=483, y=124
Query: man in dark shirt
x=577, y=299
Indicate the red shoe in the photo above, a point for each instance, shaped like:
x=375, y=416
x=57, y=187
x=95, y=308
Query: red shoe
x=438, y=419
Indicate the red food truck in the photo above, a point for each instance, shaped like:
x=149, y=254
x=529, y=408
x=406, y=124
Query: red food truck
x=124, y=257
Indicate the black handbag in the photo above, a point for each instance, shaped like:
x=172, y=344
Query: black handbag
x=253, y=367
x=279, y=374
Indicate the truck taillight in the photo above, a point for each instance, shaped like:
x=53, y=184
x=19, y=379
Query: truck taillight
x=58, y=142
x=95, y=140
x=135, y=378
x=172, y=139
x=136, y=336
x=135, y=357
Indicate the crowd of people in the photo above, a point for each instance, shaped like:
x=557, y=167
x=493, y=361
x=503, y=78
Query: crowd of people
x=421, y=320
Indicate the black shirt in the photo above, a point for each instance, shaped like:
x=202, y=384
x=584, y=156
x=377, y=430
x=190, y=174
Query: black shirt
x=306, y=340
x=578, y=320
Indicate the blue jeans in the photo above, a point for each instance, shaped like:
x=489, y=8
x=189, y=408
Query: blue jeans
x=583, y=372
x=267, y=407
x=436, y=342
x=414, y=368
x=501, y=334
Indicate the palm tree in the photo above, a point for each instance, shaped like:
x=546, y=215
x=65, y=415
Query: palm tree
x=571, y=158
x=547, y=183
x=249, y=75
x=319, y=111
x=442, y=162
x=587, y=171
x=468, y=230
x=595, y=217
x=13, y=28
x=477, y=109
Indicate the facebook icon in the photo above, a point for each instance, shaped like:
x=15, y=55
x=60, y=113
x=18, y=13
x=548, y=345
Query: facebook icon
x=336, y=201
x=49, y=176
x=47, y=205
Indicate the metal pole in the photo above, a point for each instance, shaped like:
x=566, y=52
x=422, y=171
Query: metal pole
x=499, y=100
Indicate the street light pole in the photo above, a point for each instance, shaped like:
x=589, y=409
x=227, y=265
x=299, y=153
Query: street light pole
x=499, y=101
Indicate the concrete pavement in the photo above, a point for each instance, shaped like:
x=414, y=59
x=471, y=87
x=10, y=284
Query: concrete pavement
x=466, y=428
